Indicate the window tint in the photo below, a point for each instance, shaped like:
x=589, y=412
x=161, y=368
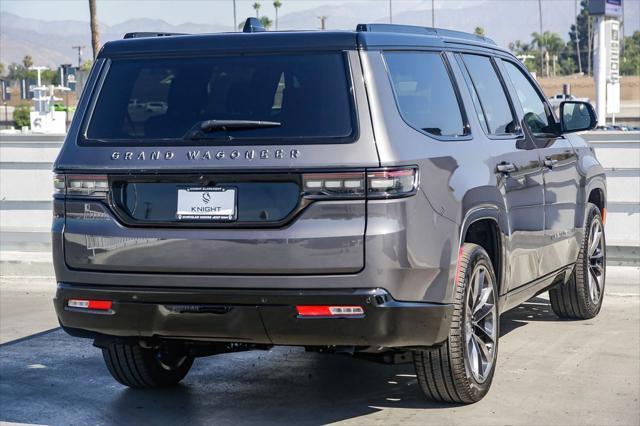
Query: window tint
x=494, y=112
x=536, y=113
x=151, y=99
x=424, y=92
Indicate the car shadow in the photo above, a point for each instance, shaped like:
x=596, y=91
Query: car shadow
x=56, y=379
x=533, y=310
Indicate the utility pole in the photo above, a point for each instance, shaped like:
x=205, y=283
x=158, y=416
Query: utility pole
x=79, y=49
x=322, y=21
x=235, y=22
x=391, y=11
x=433, y=14
x=540, y=44
x=93, y=22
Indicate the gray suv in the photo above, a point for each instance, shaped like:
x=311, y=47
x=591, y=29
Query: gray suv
x=383, y=192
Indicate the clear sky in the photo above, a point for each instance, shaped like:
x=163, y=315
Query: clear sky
x=173, y=11
x=200, y=11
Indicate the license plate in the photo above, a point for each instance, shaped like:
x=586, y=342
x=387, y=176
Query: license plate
x=215, y=204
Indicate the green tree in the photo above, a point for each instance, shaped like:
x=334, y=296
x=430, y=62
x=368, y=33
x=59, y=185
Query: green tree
x=266, y=22
x=277, y=5
x=27, y=61
x=583, y=33
x=526, y=53
x=17, y=71
x=550, y=44
x=630, y=63
x=1, y=69
x=86, y=65
x=21, y=116
x=479, y=31
x=256, y=6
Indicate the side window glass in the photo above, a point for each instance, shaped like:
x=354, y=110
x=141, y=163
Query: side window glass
x=424, y=92
x=536, y=112
x=494, y=112
x=474, y=96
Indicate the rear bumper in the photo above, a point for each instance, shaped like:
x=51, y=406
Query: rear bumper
x=253, y=316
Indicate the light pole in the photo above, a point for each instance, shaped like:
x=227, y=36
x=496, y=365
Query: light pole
x=391, y=11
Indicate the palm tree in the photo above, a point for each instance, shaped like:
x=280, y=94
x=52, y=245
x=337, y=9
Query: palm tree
x=277, y=5
x=27, y=61
x=256, y=6
x=95, y=38
x=266, y=22
x=554, y=46
x=549, y=44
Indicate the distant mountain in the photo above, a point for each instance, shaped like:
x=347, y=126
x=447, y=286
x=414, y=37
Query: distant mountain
x=49, y=42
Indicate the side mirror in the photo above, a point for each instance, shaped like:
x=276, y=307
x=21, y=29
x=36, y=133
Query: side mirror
x=576, y=116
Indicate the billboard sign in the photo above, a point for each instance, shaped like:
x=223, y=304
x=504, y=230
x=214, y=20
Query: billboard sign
x=612, y=8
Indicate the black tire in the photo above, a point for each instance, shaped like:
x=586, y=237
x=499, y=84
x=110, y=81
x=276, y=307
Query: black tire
x=444, y=372
x=573, y=299
x=137, y=367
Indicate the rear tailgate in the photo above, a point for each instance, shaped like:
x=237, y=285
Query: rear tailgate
x=275, y=230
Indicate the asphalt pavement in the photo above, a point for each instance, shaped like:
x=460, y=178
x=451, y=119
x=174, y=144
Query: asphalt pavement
x=549, y=372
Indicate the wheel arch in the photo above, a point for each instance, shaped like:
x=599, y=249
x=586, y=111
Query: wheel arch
x=483, y=226
x=596, y=193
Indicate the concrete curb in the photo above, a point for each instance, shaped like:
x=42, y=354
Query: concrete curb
x=16, y=263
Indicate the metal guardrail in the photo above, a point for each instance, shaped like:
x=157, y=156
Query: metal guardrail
x=25, y=196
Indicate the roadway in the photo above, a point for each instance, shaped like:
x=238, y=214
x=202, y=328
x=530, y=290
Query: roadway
x=549, y=372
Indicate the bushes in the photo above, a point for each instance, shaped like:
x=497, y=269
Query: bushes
x=21, y=116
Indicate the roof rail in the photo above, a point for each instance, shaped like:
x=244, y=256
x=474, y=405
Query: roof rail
x=144, y=34
x=412, y=29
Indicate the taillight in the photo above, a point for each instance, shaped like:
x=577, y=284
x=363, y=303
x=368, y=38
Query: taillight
x=327, y=185
x=83, y=185
x=392, y=183
x=374, y=183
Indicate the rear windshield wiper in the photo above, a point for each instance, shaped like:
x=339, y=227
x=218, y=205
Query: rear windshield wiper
x=209, y=126
x=226, y=125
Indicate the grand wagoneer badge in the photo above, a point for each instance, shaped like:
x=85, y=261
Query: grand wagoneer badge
x=218, y=154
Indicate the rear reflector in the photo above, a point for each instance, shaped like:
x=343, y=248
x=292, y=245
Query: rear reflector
x=98, y=305
x=329, y=311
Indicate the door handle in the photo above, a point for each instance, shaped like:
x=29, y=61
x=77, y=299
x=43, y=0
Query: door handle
x=506, y=168
x=549, y=163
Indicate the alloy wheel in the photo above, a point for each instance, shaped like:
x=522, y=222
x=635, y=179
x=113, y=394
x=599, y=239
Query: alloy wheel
x=596, y=256
x=480, y=324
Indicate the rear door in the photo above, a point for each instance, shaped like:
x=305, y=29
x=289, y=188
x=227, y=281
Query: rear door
x=561, y=174
x=186, y=198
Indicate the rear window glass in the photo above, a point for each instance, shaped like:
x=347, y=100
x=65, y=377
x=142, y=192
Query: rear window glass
x=424, y=92
x=153, y=99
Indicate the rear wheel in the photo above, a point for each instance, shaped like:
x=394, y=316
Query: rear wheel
x=461, y=369
x=581, y=297
x=137, y=367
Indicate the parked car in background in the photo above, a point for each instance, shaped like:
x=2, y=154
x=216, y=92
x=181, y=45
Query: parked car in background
x=558, y=98
x=383, y=192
